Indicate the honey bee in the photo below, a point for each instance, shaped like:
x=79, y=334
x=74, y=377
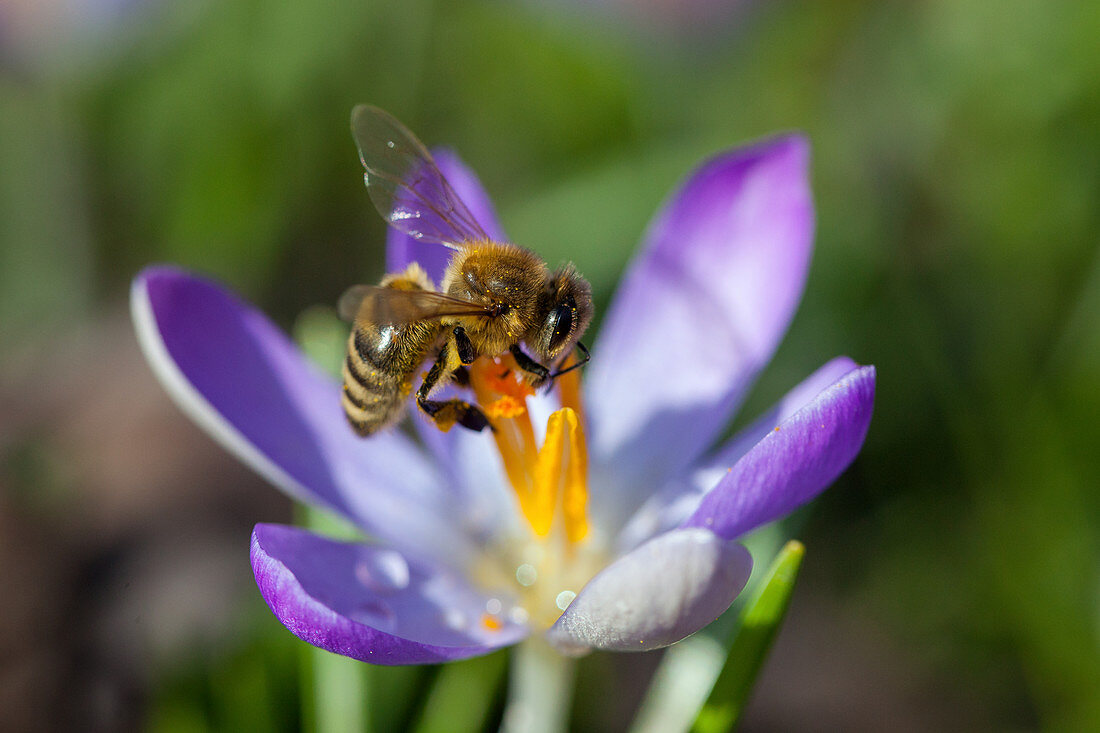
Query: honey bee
x=493, y=296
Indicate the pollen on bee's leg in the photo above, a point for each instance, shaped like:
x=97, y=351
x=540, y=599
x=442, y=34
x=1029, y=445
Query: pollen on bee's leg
x=442, y=419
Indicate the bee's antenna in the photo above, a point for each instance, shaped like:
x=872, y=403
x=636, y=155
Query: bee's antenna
x=578, y=365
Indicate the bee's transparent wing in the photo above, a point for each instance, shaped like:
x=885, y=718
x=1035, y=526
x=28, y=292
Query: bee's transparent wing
x=348, y=305
x=385, y=306
x=406, y=186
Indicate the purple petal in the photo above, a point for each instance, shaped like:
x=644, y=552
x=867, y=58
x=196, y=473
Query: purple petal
x=240, y=378
x=812, y=386
x=701, y=309
x=679, y=499
x=794, y=462
x=370, y=602
x=668, y=588
x=401, y=249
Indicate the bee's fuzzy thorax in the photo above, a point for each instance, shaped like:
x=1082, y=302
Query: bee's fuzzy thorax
x=502, y=276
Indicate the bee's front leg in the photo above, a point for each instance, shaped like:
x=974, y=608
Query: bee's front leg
x=464, y=348
x=446, y=413
x=535, y=374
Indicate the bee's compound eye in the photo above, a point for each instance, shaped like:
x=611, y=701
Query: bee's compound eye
x=560, y=323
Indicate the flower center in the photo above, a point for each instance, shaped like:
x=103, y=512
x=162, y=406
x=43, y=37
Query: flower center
x=547, y=568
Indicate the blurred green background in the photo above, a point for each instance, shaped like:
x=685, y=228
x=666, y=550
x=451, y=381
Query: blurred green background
x=952, y=576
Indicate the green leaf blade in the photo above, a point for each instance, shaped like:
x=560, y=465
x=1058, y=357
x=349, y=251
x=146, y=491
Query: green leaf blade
x=759, y=622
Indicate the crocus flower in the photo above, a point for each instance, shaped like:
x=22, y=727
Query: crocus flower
x=605, y=516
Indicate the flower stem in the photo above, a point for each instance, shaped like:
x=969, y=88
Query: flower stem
x=336, y=693
x=540, y=689
x=463, y=695
x=335, y=689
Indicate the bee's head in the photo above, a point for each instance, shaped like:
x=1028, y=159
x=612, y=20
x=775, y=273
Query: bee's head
x=566, y=309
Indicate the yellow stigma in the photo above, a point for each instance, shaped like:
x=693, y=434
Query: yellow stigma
x=561, y=470
x=552, y=481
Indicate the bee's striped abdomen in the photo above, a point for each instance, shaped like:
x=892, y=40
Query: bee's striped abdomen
x=374, y=390
x=382, y=360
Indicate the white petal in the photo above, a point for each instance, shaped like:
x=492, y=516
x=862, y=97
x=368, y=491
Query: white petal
x=663, y=591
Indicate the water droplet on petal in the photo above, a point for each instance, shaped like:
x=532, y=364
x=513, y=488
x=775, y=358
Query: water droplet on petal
x=383, y=571
x=493, y=606
x=518, y=615
x=455, y=619
x=564, y=599
x=375, y=614
x=526, y=574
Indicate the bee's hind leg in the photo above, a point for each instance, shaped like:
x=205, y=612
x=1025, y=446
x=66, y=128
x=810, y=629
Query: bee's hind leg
x=446, y=413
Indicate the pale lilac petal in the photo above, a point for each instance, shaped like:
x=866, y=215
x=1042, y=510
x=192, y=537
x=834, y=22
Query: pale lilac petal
x=679, y=499
x=401, y=249
x=700, y=311
x=794, y=462
x=668, y=588
x=241, y=379
x=473, y=462
x=371, y=602
x=473, y=465
x=476, y=476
